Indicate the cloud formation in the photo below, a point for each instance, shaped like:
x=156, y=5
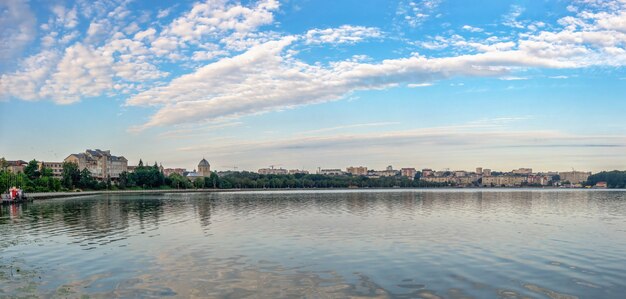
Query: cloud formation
x=230, y=63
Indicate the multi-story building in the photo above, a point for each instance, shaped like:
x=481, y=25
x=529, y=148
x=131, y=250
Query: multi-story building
x=479, y=170
x=56, y=167
x=360, y=170
x=435, y=179
x=101, y=164
x=487, y=172
x=504, y=180
x=331, y=172
x=427, y=172
x=16, y=166
x=273, y=171
x=408, y=172
x=542, y=180
x=574, y=177
x=383, y=173
x=460, y=173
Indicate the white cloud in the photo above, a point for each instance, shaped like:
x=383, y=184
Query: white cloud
x=18, y=27
x=341, y=35
x=162, y=13
x=69, y=18
x=262, y=80
x=513, y=78
x=472, y=29
x=415, y=13
x=419, y=85
x=511, y=18
x=148, y=33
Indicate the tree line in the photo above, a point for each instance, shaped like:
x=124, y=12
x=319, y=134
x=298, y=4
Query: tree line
x=613, y=179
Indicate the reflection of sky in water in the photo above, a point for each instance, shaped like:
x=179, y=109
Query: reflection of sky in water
x=374, y=244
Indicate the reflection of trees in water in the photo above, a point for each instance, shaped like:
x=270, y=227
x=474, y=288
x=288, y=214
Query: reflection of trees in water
x=89, y=218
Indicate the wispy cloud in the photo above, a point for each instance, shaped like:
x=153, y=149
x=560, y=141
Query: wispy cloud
x=513, y=78
x=419, y=85
x=352, y=126
x=194, y=132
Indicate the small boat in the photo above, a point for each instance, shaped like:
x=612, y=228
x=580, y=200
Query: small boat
x=15, y=195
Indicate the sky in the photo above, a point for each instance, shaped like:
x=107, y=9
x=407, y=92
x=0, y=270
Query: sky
x=442, y=84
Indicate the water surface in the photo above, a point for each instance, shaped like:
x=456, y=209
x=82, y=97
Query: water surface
x=320, y=244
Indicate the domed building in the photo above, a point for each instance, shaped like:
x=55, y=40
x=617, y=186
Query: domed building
x=204, y=168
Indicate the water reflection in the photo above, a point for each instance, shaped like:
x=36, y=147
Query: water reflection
x=393, y=244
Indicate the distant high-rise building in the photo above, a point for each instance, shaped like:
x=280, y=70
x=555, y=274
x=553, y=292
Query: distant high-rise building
x=479, y=170
x=487, y=172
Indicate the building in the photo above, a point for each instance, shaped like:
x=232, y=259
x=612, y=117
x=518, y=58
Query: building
x=460, y=173
x=504, y=180
x=601, y=185
x=16, y=166
x=168, y=171
x=298, y=171
x=479, y=170
x=522, y=171
x=273, y=171
x=434, y=179
x=101, y=164
x=408, y=172
x=56, y=167
x=204, y=168
x=487, y=172
x=361, y=170
x=331, y=172
x=383, y=173
x=543, y=180
x=427, y=172
x=574, y=177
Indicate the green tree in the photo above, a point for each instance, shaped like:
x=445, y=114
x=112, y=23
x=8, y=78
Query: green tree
x=199, y=183
x=86, y=180
x=32, y=170
x=70, y=175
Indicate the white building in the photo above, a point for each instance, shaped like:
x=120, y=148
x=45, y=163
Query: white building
x=101, y=164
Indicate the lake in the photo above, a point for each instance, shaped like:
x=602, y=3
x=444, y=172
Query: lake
x=319, y=244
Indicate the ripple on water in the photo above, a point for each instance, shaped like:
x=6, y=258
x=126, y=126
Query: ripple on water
x=391, y=244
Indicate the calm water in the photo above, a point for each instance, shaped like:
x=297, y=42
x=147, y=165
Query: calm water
x=390, y=244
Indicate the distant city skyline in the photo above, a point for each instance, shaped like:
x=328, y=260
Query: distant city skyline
x=307, y=84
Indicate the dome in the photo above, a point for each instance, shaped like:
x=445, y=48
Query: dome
x=203, y=162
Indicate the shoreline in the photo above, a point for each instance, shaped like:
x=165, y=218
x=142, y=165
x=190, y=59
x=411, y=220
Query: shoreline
x=53, y=195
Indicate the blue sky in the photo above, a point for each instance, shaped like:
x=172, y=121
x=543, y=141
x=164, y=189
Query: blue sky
x=307, y=84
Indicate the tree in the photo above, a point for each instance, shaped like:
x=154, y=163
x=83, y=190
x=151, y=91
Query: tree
x=199, y=183
x=32, y=170
x=178, y=181
x=70, y=175
x=46, y=172
x=86, y=180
